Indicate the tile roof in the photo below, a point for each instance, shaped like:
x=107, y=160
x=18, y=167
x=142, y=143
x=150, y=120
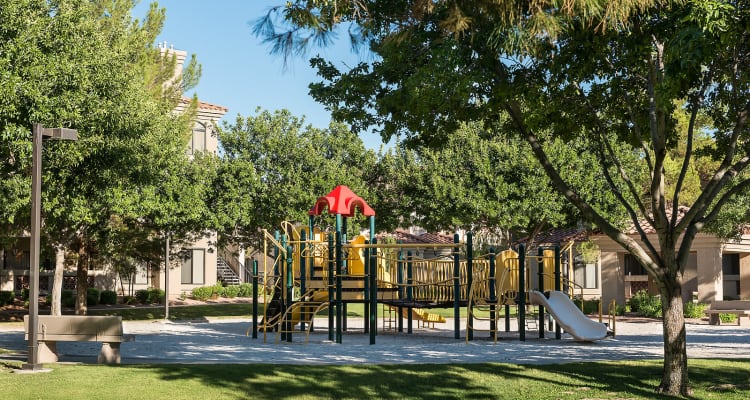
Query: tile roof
x=205, y=106
x=559, y=235
x=425, y=238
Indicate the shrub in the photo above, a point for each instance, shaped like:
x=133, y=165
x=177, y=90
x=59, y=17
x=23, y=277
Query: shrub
x=92, y=296
x=156, y=296
x=108, y=297
x=727, y=318
x=693, y=310
x=24, y=294
x=246, y=290
x=203, y=293
x=589, y=306
x=129, y=300
x=6, y=297
x=645, y=304
x=142, y=296
x=231, y=291
x=219, y=290
x=150, y=296
x=68, y=298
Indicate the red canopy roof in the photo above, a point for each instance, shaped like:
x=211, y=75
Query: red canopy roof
x=342, y=201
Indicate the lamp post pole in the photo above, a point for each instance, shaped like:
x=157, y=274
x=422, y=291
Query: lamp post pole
x=37, y=132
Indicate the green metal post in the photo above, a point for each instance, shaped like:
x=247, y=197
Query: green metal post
x=540, y=275
x=456, y=289
x=302, y=277
x=401, y=292
x=558, y=329
x=409, y=291
x=366, y=293
x=469, y=281
x=339, y=284
x=522, y=292
x=289, y=291
x=255, y=299
x=493, y=297
x=373, y=293
x=331, y=304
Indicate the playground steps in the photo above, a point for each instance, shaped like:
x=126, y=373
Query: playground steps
x=225, y=273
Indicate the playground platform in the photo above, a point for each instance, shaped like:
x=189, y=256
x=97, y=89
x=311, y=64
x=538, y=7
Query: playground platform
x=224, y=342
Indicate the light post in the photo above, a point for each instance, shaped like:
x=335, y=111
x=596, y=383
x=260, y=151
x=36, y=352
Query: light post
x=36, y=209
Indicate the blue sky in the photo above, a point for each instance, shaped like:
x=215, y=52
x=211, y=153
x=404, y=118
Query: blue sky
x=238, y=71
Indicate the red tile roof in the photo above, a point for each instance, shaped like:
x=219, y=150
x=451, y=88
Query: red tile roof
x=560, y=235
x=425, y=238
x=205, y=106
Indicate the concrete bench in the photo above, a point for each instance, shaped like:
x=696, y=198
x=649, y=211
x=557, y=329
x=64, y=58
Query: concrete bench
x=79, y=328
x=741, y=308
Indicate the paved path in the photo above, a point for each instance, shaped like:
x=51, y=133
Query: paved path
x=224, y=341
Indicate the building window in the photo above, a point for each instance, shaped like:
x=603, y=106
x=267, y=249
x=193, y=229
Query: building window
x=730, y=271
x=633, y=267
x=17, y=259
x=193, y=266
x=198, y=140
x=585, y=274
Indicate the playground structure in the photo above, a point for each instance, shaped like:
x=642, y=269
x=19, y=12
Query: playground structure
x=313, y=271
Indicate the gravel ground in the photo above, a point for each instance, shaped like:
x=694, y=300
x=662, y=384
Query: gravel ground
x=225, y=341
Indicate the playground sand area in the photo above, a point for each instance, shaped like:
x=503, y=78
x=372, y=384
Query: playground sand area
x=224, y=341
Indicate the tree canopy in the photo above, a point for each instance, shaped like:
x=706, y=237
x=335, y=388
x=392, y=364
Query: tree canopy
x=88, y=65
x=611, y=73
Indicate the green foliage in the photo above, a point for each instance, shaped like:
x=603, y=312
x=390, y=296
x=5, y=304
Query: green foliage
x=67, y=298
x=202, y=293
x=232, y=291
x=590, y=306
x=727, y=318
x=6, y=297
x=274, y=168
x=646, y=305
x=218, y=290
x=693, y=310
x=92, y=296
x=108, y=297
x=246, y=290
x=150, y=296
x=25, y=294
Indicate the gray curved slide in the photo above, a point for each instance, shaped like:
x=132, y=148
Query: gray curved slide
x=570, y=317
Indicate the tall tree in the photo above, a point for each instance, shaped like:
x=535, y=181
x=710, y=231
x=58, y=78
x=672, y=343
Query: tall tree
x=608, y=71
x=274, y=168
x=88, y=65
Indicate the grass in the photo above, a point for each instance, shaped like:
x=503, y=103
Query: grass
x=195, y=312
x=600, y=380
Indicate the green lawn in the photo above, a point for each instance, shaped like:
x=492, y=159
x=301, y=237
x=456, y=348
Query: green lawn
x=180, y=312
x=711, y=379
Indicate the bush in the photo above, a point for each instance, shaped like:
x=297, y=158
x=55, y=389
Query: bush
x=246, y=290
x=232, y=291
x=727, y=318
x=25, y=294
x=92, y=296
x=219, y=290
x=589, y=306
x=203, y=293
x=693, y=310
x=646, y=305
x=108, y=297
x=68, y=298
x=150, y=296
x=6, y=297
x=129, y=300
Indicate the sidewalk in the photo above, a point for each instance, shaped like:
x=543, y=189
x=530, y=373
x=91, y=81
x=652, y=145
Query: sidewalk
x=224, y=341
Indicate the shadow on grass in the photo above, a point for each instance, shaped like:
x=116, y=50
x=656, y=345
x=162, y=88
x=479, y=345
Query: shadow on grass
x=466, y=381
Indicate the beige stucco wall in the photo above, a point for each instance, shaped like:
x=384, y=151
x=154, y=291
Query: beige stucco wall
x=703, y=273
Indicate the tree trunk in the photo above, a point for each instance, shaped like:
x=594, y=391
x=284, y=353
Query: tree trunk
x=82, y=281
x=57, y=285
x=674, y=379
